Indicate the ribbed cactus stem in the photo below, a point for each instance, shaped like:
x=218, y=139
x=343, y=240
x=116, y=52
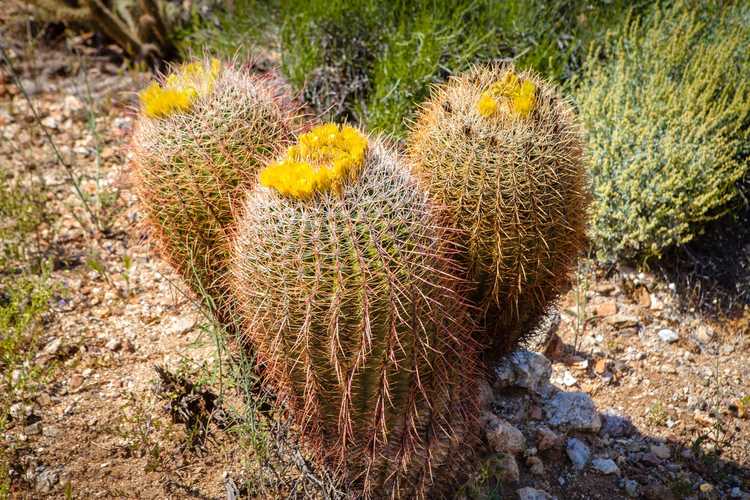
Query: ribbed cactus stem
x=503, y=151
x=202, y=135
x=352, y=300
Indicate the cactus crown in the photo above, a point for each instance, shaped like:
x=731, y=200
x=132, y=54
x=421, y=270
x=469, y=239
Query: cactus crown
x=180, y=89
x=353, y=304
x=322, y=161
x=192, y=165
x=509, y=95
x=502, y=150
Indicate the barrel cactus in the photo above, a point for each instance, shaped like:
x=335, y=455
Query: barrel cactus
x=503, y=151
x=346, y=279
x=202, y=134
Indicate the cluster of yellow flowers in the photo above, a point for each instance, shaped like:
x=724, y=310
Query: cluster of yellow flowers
x=511, y=94
x=322, y=160
x=180, y=89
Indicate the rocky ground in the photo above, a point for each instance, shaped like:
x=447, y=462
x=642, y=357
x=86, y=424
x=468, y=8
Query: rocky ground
x=636, y=397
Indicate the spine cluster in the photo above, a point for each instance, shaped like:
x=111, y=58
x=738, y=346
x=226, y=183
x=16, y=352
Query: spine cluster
x=202, y=135
x=503, y=151
x=352, y=300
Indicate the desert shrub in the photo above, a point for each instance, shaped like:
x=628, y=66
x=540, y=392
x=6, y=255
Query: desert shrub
x=328, y=50
x=667, y=116
x=22, y=218
x=371, y=61
x=241, y=29
x=24, y=290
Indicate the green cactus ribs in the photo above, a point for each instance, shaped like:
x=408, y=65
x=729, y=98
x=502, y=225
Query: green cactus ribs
x=350, y=295
x=502, y=150
x=202, y=134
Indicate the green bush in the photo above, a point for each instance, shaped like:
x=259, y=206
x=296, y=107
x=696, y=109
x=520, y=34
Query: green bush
x=667, y=116
x=25, y=290
x=241, y=29
x=372, y=61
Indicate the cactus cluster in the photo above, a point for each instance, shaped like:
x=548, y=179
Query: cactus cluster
x=503, y=151
x=353, y=302
x=202, y=136
x=358, y=272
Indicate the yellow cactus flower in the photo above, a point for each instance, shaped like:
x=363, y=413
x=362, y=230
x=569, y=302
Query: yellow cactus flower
x=322, y=160
x=180, y=89
x=510, y=93
x=524, y=100
x=487, y=105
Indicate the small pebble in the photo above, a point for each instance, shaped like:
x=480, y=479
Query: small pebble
x=605, y=466
x=631, y=488
x=569, y=380
x=668, y=336
x=661, y=450
x=578, y=453
x=536, y=466
x=530, y=493
x=114, y=344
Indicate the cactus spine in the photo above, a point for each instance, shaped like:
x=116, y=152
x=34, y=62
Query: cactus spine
x=351, y=299
x=503, y=151
x=201, y=137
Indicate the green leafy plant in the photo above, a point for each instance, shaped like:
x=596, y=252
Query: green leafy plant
x=25, y=286
x=372, y=61
x=667, y=114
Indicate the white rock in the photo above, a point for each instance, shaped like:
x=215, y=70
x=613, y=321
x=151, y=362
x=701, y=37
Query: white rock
x=605, y=465
x=181, y=325
x=114, y=344
x=50, y=122
x=530, y=493
x=578, y=453
x=52, y=347
x=19, y=411
x=71, y=104
x=525, y=369
x=568, y=379
x=503, y=437
x=573, y=411
x=668, y=336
